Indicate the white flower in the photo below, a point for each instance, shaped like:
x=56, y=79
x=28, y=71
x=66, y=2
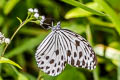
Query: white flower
x=35, y=10
x=1, y=35
x=3, y=39
x=7, y=40
x=36, y=15
x=30, y=10
x=42, y=20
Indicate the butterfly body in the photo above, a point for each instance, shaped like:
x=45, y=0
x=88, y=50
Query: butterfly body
x=63, y=47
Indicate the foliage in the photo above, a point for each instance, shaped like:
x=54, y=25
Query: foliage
x=96, y=20
x=5, y=60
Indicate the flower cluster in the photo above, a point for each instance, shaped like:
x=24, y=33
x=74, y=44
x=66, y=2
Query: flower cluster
x=39, y=19
x=3, y=39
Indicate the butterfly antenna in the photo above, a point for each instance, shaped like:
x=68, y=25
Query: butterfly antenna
x=58, y=24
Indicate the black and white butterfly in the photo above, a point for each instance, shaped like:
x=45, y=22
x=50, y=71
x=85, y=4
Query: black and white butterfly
x=63, y=47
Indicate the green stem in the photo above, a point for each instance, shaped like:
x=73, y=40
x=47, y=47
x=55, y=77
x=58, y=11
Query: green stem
x=95, y=74
x=40, y=76
x=89, y=38
x=118, y=70
x=21, y=25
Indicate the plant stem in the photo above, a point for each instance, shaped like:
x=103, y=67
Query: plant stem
x=90, y=39
x=39, y=76
x=95, y=74
x=21, y=25
x=118, y=70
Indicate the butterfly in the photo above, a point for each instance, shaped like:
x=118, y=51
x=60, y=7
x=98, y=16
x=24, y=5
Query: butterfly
x=62, y=47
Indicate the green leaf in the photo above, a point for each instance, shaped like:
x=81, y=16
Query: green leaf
x=114, y=4
x=9, y=6
x=73, y=74
x=2, y=2
x=115, y=44
x=1, y=78
x=98, y=21
x=30, y=76
x=78, y=4
x=22, y=77
x=1, y=20
x=108, y=52
x=76, y=27
x=32, y=31
x=6, y=60
x=111, y=14
x=79, y=12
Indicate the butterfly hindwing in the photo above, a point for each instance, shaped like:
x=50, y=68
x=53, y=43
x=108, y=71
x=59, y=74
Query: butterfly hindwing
x=81, y=53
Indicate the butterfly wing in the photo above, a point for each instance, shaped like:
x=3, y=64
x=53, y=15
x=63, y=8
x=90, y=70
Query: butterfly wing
x=79, y=52
x=61, y=47
x=50, y=55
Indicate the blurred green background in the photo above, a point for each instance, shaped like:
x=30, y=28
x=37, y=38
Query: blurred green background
x=96, y=20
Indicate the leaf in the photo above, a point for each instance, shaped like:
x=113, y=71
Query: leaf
x=73, y=74
x=74, y=26
x=30, y=76
x=1, y=78
x=109, y=52
x=2, y=2
x=114, y=4
x=79, y=12
x=22, y=77
x=111, y=14
x=32, y=31
x=6, y=60
x=98, y=21
x=115, y=44
x=1, y=20
x=9, y=6
x=78, y=4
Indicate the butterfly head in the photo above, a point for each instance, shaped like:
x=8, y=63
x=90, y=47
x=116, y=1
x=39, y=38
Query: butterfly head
x=56, y=27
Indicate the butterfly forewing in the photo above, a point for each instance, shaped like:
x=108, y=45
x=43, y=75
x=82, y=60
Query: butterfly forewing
x=50, y=55
x=63, y=46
